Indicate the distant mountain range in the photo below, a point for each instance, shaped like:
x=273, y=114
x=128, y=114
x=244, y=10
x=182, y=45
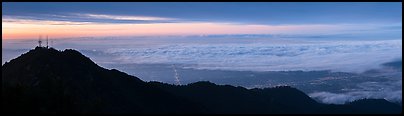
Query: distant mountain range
x=46, y=80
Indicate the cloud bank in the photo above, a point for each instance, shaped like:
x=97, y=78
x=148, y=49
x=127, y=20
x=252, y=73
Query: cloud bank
x=390, y=91
x=346, y=56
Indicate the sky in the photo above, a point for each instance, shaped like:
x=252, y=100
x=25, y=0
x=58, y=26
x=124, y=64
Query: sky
x=65, y=20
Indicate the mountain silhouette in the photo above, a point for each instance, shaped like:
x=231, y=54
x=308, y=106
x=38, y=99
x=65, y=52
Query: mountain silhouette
x=46, y=80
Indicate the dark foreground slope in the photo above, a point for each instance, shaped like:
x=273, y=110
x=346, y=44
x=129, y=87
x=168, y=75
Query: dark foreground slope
x=51, y=81
x=47, y=80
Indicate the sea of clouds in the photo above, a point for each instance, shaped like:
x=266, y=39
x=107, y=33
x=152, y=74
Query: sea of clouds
x=389, y=90
x=345, y=56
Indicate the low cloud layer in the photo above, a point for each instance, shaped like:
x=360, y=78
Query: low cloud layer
x=349, y=56
x=385, y=92
x=388, y=86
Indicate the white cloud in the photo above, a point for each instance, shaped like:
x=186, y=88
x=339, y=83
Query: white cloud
x=341, y=98
x=41, y=22
x=124, y=17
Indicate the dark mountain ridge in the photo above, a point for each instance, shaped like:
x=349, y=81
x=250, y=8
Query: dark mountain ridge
x=45, y=80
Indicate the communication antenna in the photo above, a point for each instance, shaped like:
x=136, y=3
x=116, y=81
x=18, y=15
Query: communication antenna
x=40, y=41
x=47, y=41
x=51, y=42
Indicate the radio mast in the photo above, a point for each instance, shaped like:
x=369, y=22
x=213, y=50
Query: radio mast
x=47, y=41
x=40, y=41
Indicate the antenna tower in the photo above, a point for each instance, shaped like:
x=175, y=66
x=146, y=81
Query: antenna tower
x=40, y=41
x=47, y=41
